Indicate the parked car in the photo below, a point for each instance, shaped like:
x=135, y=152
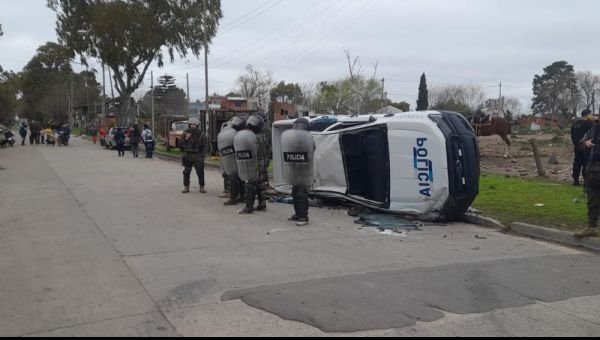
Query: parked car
x=177, y=130
x=109, y=140
x=424, y=164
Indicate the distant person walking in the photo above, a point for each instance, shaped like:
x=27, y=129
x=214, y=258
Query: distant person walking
x=120, y=142
x=578, y=131
x=148, y=140
x=103, y=134
x=94, y=134
x=23, y=133
x=134, y=140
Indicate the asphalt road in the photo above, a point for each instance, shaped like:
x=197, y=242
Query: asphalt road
x=96, y=245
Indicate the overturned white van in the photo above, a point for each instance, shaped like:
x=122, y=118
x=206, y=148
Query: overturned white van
x=424, y=164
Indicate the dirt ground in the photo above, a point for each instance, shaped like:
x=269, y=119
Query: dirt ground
x=523, y=163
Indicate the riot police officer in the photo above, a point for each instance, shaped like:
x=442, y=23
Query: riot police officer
x=266, y=136
x=226, y=141
x=251, y=153
x=195, y=146
x=298, y=150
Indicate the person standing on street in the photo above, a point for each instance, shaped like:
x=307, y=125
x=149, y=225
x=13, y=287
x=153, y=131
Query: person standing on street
x=103, y=134
x=94, y=134
x=578, y=131
x=265, y=136
x=195, y=147
x=591, y=144
x=23, y=133
x=148, y=140
x=134, y=140
x=251, y=152
x=298, y=150
x=120, y=142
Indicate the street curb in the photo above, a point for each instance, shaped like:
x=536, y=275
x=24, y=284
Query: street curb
x=485, y=222
x=554, y=235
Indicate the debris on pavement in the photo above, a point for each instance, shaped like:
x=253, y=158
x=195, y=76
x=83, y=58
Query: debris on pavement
x=386, y=222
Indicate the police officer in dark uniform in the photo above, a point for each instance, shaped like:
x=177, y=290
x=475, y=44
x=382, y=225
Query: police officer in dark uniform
x=591, y=144
x=579, y=129
x=298, y=150
x=251, y=153
x=195, y=146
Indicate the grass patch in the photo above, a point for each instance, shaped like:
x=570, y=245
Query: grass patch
x=513, y=200
x=174, y=152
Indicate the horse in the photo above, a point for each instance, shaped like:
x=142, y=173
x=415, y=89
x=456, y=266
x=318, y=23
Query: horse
x=493, y=126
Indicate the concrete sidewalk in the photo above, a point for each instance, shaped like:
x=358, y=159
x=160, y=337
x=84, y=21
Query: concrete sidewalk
x=91, y=244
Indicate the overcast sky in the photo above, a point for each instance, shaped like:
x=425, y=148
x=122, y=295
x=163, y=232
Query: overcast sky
x=454, y=41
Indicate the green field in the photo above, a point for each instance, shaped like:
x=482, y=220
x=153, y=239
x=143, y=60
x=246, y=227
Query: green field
x=514, y=200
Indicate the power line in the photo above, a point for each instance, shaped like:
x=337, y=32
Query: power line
x=247, y=14
x=256, y=49
x=231, y=28
x=260, y=49
x=326, y=38
x=314, y=27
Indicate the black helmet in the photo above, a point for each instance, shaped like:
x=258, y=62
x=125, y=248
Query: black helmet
x=262, y=115
x=302, y=124
x=238, y=123
x=255, y=123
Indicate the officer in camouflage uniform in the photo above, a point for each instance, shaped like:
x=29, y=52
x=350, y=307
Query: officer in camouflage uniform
x=266, y=137
x=195, y=146
x=592, y=181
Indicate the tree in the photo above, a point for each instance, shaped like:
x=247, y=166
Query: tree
x=456, y=106
x=167, y=83
x=290, y=93
x=47, y=82
x=423, y=101
x=8, y=96
x=168, y=98
x=555, y=91
x=404, y=106
x=588, y=85
x=467, y=97
x=256, y=84
x=129, y=35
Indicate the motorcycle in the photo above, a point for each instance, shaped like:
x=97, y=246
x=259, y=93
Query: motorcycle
x=63, y=138
x=8, y=140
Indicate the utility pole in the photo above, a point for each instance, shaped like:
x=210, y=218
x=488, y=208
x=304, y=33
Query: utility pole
x=187, y=77
x=206, y=100
x=382, y=94
x=71, y=117
x=103, y=92
x=152, y=89
x=87, y=96
x=501, y=101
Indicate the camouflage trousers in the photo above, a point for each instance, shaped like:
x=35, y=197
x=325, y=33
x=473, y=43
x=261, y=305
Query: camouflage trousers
x=592, y=187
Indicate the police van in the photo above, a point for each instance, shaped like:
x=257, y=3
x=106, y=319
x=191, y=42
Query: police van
x=423, y=164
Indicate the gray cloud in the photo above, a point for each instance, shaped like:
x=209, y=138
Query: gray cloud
x=453, y=41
